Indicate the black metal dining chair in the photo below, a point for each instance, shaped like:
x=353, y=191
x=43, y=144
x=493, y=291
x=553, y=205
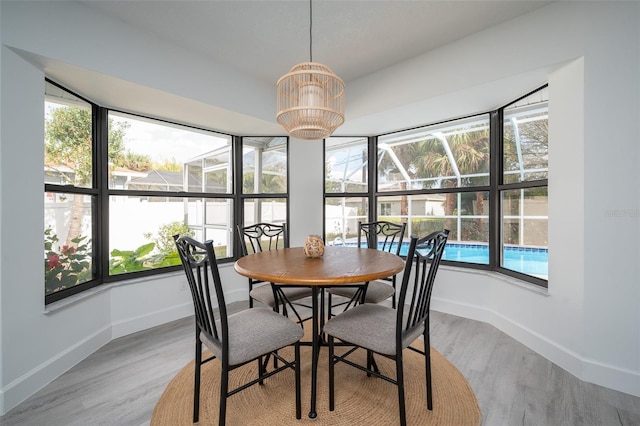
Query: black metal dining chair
x=237, y=339
x=263, y=237
x=380, y=235
x=386, y=331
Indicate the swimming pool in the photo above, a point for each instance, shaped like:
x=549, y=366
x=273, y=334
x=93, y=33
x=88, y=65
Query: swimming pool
x=527, y=260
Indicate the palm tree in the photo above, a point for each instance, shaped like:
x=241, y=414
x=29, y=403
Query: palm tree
x=469, y=155
x=445, y=161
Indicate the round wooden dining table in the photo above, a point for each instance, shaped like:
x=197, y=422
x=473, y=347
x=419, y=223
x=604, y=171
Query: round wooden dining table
x=338, y=266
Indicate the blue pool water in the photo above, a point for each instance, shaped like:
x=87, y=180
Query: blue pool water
x=527, y=260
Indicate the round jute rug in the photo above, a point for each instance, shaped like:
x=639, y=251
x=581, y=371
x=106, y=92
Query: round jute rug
x=360, y=400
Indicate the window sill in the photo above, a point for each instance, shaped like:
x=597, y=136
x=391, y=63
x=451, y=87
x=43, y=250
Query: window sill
x=498, y=276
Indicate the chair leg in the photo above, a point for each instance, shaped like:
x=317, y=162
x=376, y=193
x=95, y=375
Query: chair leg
x=196, y=381
x=331, y=373
x=260, y=371
x=224, y=391
x=393, y=298
x=400, y=380
x=276, y=309
x=427, y=366
x=298, y=394
x=322, y=310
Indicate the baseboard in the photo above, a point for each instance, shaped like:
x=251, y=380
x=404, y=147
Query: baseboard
x=612, y=377
x=29, y=383
x=585, y=369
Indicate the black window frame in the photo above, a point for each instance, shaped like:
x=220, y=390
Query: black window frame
x=494, y=188
x=101, y=192
x=242, y=196
x=498, y=186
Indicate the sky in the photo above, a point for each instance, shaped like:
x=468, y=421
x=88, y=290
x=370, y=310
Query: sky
x=167, y=142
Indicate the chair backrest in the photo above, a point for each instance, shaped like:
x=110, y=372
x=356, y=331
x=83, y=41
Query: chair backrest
x=262, y=237
x=200, y=267
x=389, y=234
x=423, y=258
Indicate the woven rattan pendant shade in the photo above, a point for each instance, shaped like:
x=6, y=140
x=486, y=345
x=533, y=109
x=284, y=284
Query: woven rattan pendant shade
x=310, y=101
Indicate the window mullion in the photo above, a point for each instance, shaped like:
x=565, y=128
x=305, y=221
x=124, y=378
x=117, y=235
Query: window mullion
x=101, y=176
x=495, y=180
x=372, y=174
x=238, y=197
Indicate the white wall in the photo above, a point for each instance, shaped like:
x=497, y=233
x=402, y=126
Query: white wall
x=588, y=321
x=306, y=187
x=2, y=103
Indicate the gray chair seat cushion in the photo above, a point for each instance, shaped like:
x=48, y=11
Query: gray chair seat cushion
x=264, y=293
x=377, y=292
x=255, y=332
x=371, y=327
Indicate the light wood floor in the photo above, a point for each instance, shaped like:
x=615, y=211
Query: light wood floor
x=121, y=382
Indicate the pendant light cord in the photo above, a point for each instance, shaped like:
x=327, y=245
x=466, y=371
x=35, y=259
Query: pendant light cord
x=310, y=32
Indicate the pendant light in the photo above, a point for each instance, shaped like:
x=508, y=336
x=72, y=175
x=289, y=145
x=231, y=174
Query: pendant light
x=310, y=98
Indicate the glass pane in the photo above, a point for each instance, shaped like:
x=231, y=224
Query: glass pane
x=525, y=223
x=465, y=215
x=141, y=229
x=150, y=155
x=211, y=219
x=346, y=165
x=218, y=226
x=342, y=217
x=68, y=251
x=68, y=139
x=265, y=157
x=526, y=139
x=265, y=210
x=449, y=155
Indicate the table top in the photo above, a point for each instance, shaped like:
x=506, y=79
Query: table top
x=339, y=265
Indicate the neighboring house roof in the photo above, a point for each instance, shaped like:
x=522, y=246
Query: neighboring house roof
x=157, y=177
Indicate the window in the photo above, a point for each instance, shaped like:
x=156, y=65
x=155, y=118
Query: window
x=347, y=198
x=264, y=180
x=385, y=209
x=523, y=189
x=439, y=176
x=449, y=155
x=70, y=192
x=118, y=186
x=346, y=165
x=149, y=162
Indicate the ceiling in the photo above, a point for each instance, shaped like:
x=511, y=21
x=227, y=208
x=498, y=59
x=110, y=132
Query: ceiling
x=265, y=38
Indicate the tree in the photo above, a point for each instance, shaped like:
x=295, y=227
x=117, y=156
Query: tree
x=271, y=183
x=133, y=161
x=534, y=148
x=470, y=151
x=168, y=166
x=427, y=159
x=68, y=142
x=164, y=242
